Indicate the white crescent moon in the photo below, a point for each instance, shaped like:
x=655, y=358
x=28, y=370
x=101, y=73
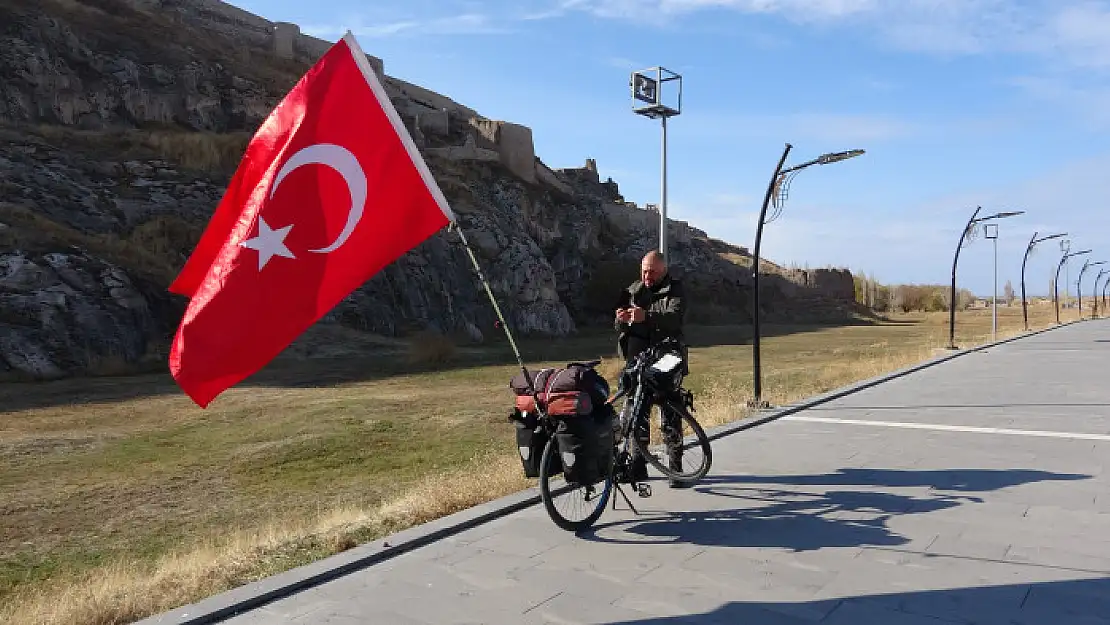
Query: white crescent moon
x=341, y=160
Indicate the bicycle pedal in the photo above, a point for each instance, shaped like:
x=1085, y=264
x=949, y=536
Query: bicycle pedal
x=643, y=490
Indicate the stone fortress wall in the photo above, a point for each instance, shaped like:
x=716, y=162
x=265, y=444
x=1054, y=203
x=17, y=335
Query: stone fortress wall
x=491, y=140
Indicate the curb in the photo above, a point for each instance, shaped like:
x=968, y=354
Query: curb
x=259, y=593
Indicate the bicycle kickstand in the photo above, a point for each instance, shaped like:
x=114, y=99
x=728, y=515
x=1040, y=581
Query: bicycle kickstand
x=626, y=499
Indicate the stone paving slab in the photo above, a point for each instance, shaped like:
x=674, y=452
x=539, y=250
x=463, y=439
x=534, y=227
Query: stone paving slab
x=803, y=522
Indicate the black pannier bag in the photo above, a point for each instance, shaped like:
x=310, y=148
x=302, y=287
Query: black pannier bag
x=586, y=445
x=531, y=438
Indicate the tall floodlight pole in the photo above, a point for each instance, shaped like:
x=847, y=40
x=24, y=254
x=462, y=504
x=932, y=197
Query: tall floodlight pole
x=649, y=89
x=1079, y=283
x=1029, y=248
x=990, y=231
x=1056, y=282
x=777, y=190
x=1094, y=294
x=965, y=237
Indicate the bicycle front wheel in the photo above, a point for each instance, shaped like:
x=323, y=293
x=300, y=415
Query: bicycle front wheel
x=573, y=507
x=689, y=455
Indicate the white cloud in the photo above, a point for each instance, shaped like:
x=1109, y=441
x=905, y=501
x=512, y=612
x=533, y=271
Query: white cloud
x=1083, y=33
x=1072, y=31
x=822, y=127
x=1089, y=102
x=463, y=24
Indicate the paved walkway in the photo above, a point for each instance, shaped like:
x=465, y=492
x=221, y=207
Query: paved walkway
x=970, y=492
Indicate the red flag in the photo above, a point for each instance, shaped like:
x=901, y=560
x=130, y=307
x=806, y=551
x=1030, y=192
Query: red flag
x=331, y=189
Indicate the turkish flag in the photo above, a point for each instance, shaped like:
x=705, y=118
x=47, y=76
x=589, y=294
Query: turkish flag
x=331, y=189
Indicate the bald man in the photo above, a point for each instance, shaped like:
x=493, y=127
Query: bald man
x=650, y=310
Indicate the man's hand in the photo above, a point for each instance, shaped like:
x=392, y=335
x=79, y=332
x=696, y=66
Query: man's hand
x=638, y=314
x=624, y=315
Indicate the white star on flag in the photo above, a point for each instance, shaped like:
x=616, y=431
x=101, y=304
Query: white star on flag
x=269, y=242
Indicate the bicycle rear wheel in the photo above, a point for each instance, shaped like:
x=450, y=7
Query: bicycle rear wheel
x=697, y=453
x=590, y=499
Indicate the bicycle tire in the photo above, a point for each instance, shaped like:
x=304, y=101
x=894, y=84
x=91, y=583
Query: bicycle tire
x=602, y=500
x=702, y=441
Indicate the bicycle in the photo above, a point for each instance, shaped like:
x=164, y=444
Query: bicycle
x=653, y=378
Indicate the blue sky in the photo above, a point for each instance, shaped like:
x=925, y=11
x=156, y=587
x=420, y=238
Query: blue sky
x=959, y=103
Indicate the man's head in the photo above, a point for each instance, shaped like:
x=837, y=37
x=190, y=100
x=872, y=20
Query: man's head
x=652, y=268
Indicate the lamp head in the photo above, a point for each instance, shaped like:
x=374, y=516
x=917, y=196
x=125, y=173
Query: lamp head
x=836, y=157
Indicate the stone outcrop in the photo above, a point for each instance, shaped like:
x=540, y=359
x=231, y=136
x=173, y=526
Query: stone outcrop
x=826, y=282
x=123, y=120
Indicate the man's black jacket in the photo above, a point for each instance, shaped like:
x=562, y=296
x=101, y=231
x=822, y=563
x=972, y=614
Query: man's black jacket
x=665, y=312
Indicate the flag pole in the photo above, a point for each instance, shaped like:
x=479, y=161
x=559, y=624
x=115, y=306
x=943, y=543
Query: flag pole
x=429, y=179
x=497, y=309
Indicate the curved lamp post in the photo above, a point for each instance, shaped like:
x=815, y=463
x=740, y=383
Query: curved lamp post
x=1056, y=282
x=1029, y=248
x=1104, y=287
x=777, y=190
x=1079, y=283
x=1094, y=294
x=968, y=230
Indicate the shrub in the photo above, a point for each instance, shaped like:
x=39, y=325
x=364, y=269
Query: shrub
x=431, y=348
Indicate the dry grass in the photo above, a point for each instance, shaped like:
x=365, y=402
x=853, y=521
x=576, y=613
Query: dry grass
x=117, y=505
x=209, y=152
x=128, y=590
x=154, y=249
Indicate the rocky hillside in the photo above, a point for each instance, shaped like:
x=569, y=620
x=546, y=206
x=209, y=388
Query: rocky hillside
x=121, y=122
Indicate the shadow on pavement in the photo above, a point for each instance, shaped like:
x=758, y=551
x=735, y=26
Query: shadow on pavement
x=1076, y=602
x=766, y=516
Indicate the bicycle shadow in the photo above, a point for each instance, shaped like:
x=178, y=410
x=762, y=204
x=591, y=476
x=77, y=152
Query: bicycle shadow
x=758, y=513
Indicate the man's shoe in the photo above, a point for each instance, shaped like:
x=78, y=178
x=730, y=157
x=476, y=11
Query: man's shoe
x=675, y=464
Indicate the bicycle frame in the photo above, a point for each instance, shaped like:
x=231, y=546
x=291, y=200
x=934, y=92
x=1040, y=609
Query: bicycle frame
x=639, y=412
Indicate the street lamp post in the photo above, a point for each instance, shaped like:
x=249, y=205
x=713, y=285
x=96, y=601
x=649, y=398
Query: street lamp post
x=1065, y=247
x=1079, y=283
x=777, y=191
x=1104, y=287
x=968, y=232
x=990, y=231
x=1094, y=294
x=1029, y=248
x=1056, y=282
x=648, y=89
